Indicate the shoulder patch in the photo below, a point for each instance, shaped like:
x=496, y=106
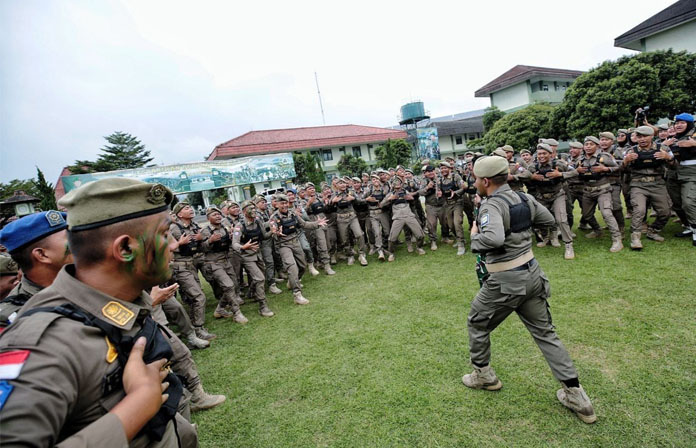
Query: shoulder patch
x=117, y=313
x=11, y=363
x=484, y=220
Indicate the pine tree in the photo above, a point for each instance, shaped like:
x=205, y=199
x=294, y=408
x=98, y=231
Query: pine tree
x=45, y=192
x=123, y=152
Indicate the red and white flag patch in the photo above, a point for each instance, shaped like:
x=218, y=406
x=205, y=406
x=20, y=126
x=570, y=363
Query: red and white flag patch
x=11, y=363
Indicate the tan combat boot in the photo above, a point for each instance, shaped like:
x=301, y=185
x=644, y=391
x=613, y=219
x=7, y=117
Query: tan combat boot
x=222, y=313
x=575, y=399
x=409, y=246
x=652, y=235
x=616, y=244
x=594, y=234
x=194, y=342
x=312, y=270
x=569, y=252
x=554, y=241
x=299, y=299
x=273, y=289
x=264, y=310
x=239, y=317
x=461, y=249
x=362, y=260
x=482, y=378
x=351, y=260
x=373, y=249
x=328, y=270
x=635, y=241
x=202, y=333
x=391, y=257
x=542, y=243
x=433, y=245
x=200, y=400
x=420, y=251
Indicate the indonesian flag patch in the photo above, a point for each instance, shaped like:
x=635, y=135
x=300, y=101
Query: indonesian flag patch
x=11, y=363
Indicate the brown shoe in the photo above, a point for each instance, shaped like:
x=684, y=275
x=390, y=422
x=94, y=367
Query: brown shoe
x=482, y=378
x=575, y=399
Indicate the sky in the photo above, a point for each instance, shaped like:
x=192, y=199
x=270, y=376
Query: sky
x=185, y=76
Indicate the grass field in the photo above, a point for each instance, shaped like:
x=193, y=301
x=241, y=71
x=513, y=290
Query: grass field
x=376, y=359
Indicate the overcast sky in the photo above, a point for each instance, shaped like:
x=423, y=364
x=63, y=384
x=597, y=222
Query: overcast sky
x=184, y=76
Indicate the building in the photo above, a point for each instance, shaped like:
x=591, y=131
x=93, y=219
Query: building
x=328, y=143
x=523, y=85
x=674, y=27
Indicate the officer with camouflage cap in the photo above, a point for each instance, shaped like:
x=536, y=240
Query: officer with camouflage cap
x=246, y=240
x=594, y=169
x=118, y=232
x=515, y=282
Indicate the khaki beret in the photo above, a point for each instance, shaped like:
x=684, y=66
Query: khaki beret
x=8, y=266
x=544, y=147
x=374, y=175
x=645, y=130
x=232, y=204
x=246, y=204
x=409, y=170
x=490, y=166
x=356, y=179
x=577, y=145
x=592, y=138
x=445, y=164
x=525, y=151
x=469, y=153
x=550, y=141
x=500, y=152
x=212, y=209
x=608, y=135
x=258, y=198
x=310, y=184
x=340, y=179
x=282, y=197
x=180, y=206
x=449, y=159
x=108, y=201
x=663, y=127
x=508, y=148
x=623, y=131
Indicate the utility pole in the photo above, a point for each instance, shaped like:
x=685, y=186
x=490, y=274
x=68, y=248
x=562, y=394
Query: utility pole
x=316, y=79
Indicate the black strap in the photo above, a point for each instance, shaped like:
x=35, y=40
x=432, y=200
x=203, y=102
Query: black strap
x=17, y=299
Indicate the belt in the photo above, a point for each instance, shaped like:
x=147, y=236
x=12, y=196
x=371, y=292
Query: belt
x=600, y=187
x=687, y=162
x=645, y=179
x=518, y=263
x=182, y=263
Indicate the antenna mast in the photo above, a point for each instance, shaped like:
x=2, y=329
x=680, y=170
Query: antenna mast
x=316, y=79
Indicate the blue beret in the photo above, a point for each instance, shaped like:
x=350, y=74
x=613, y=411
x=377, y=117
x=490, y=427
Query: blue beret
x=31, y=228
x=684, y=117
x=292, y=190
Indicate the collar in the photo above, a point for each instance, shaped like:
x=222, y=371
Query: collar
x=104, y=307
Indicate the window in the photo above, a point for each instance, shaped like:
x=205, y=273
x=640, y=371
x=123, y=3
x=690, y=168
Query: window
x=326, y=154
x=356, y=151
x=545, y=87
x=472, y=136
x=458, y=140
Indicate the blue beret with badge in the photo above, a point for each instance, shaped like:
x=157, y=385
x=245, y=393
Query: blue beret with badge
x=31, y=228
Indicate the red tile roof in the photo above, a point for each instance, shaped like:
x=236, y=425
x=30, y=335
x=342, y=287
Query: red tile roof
x=284, y=140
x=520, y=73
x=60, y=188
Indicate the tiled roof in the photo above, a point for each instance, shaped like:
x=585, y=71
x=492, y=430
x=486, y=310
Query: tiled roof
x=20, y=196
x=60, y=188
x=520, y=73
x=676, y=14
x=284, y=140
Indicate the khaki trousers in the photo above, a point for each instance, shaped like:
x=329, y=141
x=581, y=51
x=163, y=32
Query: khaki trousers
x=602, y=199
x=186, y=275
x=435, y=213
x=293, y=259
x=656, y=195
x=350, y=221
x=454, y=213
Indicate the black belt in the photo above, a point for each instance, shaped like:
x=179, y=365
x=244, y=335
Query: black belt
x=525, y=266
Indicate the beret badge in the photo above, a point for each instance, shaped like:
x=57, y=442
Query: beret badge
x=157, y=195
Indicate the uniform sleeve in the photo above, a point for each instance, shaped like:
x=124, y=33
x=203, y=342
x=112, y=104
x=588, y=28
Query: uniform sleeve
x=541, y=216
x=204, y=241
x=237, y=238
x=491, y=229
x=46, y=388
x=107, y=432
x=306, y=224
x=175, y=232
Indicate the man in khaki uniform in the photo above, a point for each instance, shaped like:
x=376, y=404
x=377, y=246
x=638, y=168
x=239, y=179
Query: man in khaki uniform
x=606, y=144
x=379, y=219
x=216, y=244
x=248, y=234
x=518, y=172
x=434, y=202
x=185, y=273
x=575, y=186
x=267, y=245
x=594, y=169
x=284, y=225
x=347, y=219
x=69, y=331
x=515, y=282
x=547, y=176
x=402, y=215
x=645, y=164
x=451, y=186
x=683, y=147
x=316, y=208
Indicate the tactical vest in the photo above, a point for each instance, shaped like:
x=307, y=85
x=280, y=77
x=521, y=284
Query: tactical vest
x=255, y=235
x=590, y=175
x=646, y=159
x=400, y=199
x=9, y=306
x=681, y=154
x=447, y=188
x=288, y=225
x=316, y=208
x=342, y=204
x=520, y=214
x=193, y=247
x=547, y=169
x=157, y=347
x=223, y=244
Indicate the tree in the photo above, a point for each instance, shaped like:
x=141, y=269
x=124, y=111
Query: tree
x=520, y=129
x=123, y=152
x=351, y=166
x=8, y=189
x=393, y=153
x=606, y=97
x=491, y=117
x=45, y=192
x=307, y=169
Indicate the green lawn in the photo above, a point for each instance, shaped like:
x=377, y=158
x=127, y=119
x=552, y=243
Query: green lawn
x=376, y=359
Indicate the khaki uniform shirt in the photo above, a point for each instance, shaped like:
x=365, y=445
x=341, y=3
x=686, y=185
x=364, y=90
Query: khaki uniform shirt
x=57, y=396
x=8, y=310
x=277, y=217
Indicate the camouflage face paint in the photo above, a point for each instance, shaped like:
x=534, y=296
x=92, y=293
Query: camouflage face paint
x=151, y=256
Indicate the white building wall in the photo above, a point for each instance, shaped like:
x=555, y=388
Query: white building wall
x=679, y=38
x=511, y=97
